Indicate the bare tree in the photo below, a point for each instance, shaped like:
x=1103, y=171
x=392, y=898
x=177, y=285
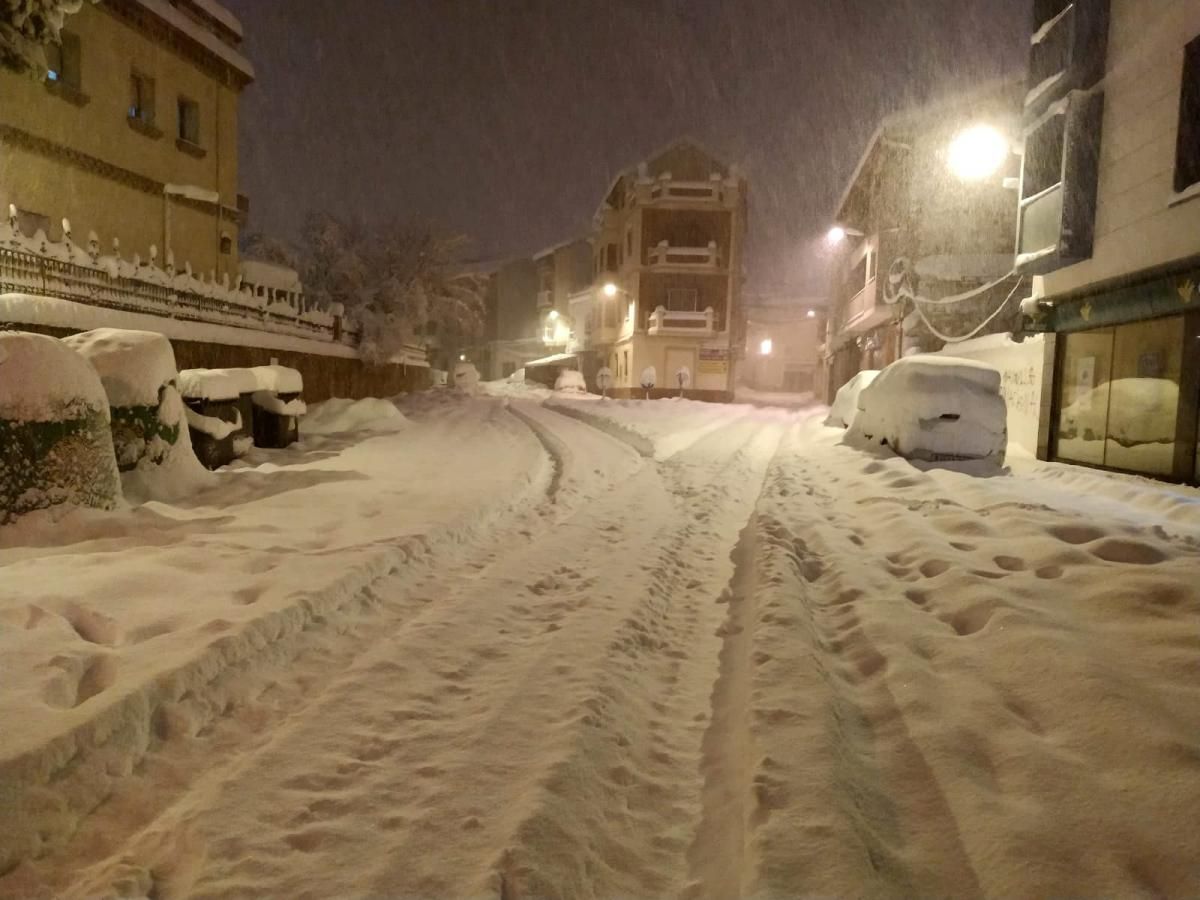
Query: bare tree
x=395, y=280
x=27, y=27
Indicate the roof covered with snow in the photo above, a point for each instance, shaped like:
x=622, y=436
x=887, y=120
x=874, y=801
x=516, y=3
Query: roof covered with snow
x=272, y=275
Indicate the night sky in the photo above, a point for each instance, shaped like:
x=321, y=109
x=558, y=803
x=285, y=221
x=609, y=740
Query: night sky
x=506, y=119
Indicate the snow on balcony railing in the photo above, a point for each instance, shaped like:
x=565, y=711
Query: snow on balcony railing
x=666, y=188
x=665, y=255
x=669, y=321
x=62, y=269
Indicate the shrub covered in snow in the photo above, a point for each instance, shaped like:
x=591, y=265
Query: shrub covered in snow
x=934, y=407
x=55, y=444
x=570, y=380
x=137, y=370
x=845, y=404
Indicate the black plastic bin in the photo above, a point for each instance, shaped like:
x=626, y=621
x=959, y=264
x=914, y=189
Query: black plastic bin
x=212, y=451
x=273, y=430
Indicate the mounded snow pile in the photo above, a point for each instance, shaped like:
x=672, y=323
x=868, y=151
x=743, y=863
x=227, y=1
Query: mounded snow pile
x=137, y=370
x=279, y=379
x=216, y=384
x=133, y=365
x=932, y=408
x=342, y=416
x=56, y=448
x=466, y=377
x=570, y=380
x=269, y=401
x=845, y=404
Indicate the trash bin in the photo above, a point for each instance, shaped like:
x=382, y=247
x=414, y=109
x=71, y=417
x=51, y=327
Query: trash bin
x=210, y=399
x=246, y=383
x=277, y=406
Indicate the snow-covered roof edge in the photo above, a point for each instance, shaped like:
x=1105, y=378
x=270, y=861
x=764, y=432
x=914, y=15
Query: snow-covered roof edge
x=199, y=34
x=218, y=12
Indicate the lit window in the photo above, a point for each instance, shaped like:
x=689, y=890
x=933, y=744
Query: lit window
x=766, y=347
x=63, y=62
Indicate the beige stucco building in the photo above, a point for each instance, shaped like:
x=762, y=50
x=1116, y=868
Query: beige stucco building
x=1110, y=221
x=666, y=276
x=133, y=134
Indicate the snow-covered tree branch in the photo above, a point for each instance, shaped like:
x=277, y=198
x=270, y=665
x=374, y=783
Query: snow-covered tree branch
x=27, y=27
x=395, y=280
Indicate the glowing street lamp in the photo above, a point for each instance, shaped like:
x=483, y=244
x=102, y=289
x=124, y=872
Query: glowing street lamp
x=839, y=233
x=611, y=289
x=812, y=314
x=553, y=314
x=977, y=153
x=765, y=347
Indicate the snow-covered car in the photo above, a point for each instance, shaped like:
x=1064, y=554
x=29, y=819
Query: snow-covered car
x=845, y=404
x=1129, y=411
x=931, y=407
x=570, y=380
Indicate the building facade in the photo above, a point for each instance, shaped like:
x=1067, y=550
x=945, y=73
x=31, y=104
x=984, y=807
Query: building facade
x=1110, y=224
x=782, y=338
x=665, y=277
x=908, y=225
x=133, y=134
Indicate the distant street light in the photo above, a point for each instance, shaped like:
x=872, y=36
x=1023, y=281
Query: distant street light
x=462, y=357
x=977, y=153
x=610, y=289
x=765, y=347
x=553, y=314
x=812, y=314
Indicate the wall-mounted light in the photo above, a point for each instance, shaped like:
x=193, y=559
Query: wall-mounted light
x=811, y=314
x=839, y=233
x=765, y=347
x=610, y=289
x=553, y=314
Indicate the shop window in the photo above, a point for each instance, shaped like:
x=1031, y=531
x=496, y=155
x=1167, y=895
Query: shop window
x=1119, y=396
x=1187, y=152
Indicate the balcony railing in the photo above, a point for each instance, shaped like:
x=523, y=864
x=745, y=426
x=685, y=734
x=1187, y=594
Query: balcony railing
x=695, y=324
x=28, y=273
x=544, y=299
x=663, y=255
x=864, y=311
x=687, y=191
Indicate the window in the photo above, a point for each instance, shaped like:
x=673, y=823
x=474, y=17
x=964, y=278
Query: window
x=610, y=258
x=1187, y=151
x=63, y=62
x=189, y=121
x=226, y=245
x=1119, y=396
x=141, y=98
x=628, y=243
x=683, y=299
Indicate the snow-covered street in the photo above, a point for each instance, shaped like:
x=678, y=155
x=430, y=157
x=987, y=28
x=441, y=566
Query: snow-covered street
x=520, y=645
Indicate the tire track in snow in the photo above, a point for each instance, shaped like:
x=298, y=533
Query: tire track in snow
x=286, y=678
x=617, y=815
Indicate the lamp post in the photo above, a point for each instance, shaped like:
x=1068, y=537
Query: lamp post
x=977, y=153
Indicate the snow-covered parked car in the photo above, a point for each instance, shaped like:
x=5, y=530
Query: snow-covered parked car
x=56, y=448
x=571, y=381
x=933, y=408
x=845, y=404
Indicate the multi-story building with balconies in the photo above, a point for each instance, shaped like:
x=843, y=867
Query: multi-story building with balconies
x=906, y=220
x=133, y=132
x=1110, y=224
x=666, y=276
